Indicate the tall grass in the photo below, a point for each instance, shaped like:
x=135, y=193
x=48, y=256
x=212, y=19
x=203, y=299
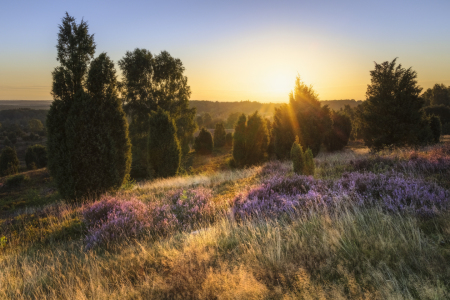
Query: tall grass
x=357, y=250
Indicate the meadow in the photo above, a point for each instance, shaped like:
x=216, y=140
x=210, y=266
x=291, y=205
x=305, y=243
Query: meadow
x=365, y=226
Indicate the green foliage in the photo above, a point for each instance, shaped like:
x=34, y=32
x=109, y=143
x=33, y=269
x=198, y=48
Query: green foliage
x=7, y=142
x=16, y=180
x=231, y=120
x=337, y=138
x=150, y=82
x=441, y=111
x=250, y=140
x=9, y=163
x=309, y=163
x=88, y=145
x=436, y=128
x=12, y=137
x=35, y=125
x=163, y=146
x=303, y=117
x=257, y=139
x=438, y=95
x=297, y=157
x=36, y=157
x=283, y=131
x=204, y=142
x=229, y=139
x=219, y=136
x=392, y=115
x=239, y=139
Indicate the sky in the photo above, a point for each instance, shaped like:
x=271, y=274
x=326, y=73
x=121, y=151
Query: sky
x=236, y=50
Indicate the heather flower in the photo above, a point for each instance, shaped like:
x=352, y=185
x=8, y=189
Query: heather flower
x=296, y=194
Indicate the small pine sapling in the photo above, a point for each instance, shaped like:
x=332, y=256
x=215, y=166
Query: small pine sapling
x=309, y=163
x=297, y=157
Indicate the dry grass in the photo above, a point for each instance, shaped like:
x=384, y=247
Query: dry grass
x=348, y=254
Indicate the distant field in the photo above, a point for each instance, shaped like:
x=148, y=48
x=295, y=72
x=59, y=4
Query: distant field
x=213, y=107
x=33, y=104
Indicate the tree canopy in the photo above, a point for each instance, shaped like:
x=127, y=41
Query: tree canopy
x=150, y=82
x=88, y=145
x=392, y=112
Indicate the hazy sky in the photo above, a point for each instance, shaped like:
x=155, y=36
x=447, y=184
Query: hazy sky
x=236, y=50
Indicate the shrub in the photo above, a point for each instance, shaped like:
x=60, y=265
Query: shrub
x=203, y=142
x=338, y=136
x=219, y=135
x=16, y=180
x=9, y=163
x=112, y=220
x=163, y=147
x=250, y=140
x=193, y=206
x=36, y=157
x=436, y=128
x=309, y=163
x=229, y=139
x=239, y=147
x=297, y=157
x=298, y=194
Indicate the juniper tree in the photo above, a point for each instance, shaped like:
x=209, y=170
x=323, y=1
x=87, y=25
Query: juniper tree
x=204, y=142
x=436, y=128
x=303, y=117
x=164, y=150
x=88, y=145
x=256, y=139
x=309, y=166
x=337, y=138
x=150, y=82
x=297, y=157
x=392, y=112
x=239, y=140
x=229, y=139
x=250, y=140
x=219, y=135
x=36, y=156
x=9, y=163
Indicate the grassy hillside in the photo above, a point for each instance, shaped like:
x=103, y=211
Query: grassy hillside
x=366, y=226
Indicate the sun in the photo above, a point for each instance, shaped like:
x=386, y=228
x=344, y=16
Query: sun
x=279, y=83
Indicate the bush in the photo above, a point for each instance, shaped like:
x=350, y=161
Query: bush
x=9, y=163
x=446, y=128
x=309, y=163
x=250, y=140
x=229, y=139
x=436, y=128
x=219, y=135
x=297, y=157
x=164, y=150
x=36, y=157
x=338, y=136
x=16, y=180
x=203, y=142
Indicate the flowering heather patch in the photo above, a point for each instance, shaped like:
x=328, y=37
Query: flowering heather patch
x=113, y=220
x=276, y=167
x=298, y=193
x=432, y=161
x=193, y=205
